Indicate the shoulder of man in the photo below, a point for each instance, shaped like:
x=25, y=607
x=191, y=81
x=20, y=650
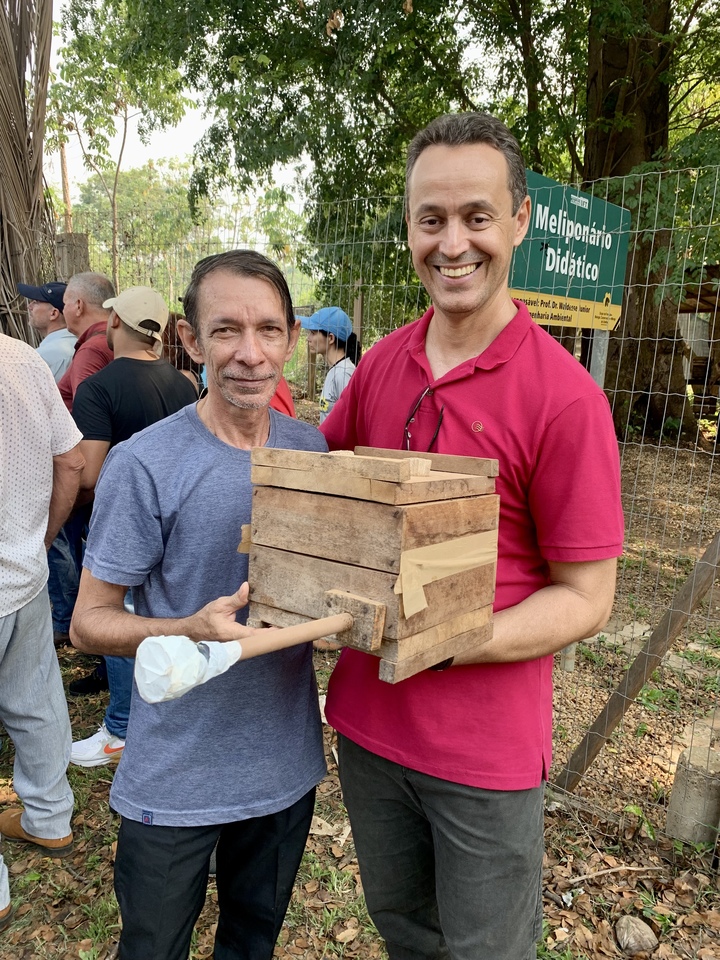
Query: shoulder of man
x=296, y=434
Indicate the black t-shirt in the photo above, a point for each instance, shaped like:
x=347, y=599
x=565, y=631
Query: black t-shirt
x=128, y=395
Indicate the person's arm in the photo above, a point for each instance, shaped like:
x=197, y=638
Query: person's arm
x=575, y=605
x=67, y=468
x=101, y=624
x=94, y=452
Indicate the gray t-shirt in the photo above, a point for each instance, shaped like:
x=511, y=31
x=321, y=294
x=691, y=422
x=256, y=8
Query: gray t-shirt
x=169, y=507
x=338, y=377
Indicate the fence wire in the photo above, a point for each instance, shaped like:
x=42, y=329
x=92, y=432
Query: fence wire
x=661, y=376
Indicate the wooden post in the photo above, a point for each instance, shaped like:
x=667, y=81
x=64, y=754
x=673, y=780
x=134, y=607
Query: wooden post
x=72, y=255
x=358, y=306
x=650, y=657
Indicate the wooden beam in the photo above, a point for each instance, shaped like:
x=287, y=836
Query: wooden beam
x=650, y=657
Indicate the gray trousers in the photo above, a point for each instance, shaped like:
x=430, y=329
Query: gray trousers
x=34, y=712
x=449, y=871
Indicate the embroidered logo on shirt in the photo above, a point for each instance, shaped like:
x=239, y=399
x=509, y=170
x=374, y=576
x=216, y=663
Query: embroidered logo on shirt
x=477, y=427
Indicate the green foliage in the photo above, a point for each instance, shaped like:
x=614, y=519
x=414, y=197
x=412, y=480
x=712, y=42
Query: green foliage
x=97, y=90
x=653, y=698
x=160, y=239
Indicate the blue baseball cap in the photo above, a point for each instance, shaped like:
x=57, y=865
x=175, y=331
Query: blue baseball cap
x=329, y=320
x=48, y=293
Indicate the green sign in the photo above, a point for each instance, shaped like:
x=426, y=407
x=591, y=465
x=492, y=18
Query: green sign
x=570, y=268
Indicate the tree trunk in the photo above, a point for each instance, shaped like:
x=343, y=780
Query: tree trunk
x=628, y=113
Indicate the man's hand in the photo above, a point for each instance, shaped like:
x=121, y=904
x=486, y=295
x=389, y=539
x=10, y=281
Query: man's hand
x=216, y=620
x=101, y=624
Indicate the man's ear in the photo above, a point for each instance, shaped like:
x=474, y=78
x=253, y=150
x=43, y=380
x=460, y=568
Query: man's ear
x=293, y=340
x=191, y=343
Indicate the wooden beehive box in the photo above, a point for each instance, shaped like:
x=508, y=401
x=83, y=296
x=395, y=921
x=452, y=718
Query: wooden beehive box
x=416, y=534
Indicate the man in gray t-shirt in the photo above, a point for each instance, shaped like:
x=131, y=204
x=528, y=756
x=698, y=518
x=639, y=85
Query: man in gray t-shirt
x=235, y=761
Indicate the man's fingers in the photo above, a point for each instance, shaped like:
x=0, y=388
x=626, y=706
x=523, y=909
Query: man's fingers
x=241, y=595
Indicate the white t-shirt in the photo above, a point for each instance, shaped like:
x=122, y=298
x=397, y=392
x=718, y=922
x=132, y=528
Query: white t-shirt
x=35, y=426
x=338, y=377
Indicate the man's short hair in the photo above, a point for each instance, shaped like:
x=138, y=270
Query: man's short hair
x=242, y=263
x=93, y=288
x=462, y=129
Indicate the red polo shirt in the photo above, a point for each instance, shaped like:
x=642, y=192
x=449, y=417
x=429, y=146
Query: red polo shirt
x=527, y=403
x=92, y=353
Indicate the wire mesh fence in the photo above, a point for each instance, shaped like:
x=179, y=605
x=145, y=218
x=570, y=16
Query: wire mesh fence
x=662, y=373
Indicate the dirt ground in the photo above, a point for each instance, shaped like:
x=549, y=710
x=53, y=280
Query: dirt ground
x=607, y=856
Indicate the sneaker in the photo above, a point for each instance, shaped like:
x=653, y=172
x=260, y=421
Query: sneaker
x=92, y=683
x=12, y=829
x=101, y=747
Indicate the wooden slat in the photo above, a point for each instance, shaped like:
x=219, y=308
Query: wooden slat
x=340, y=465
x=287, y=581
x=438, y=486
x=439, y=461
x=368, y=619
x=360, y=532
x=399, y=650
x=395, y=672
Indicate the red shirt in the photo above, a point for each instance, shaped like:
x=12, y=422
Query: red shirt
x=527, y=403
x=92, y=353
x=282, y=400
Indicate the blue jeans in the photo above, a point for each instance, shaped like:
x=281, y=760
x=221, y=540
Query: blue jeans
x=119, y=672
x=65, y=565
x=34, y=712
x=449, y=871
x=120, y=681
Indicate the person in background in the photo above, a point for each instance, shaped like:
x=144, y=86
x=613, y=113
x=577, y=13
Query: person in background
x=86, y=319
x=134, y=391
x=39, y=451
x=45, y=309
x=329, y=335
x=176, y=354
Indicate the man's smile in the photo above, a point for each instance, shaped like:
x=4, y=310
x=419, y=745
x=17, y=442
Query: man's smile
x=462, y=271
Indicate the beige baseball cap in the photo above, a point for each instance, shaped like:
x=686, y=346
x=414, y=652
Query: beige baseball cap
x=141, y=308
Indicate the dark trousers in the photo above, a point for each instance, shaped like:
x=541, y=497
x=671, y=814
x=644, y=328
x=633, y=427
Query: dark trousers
x=449, y=871
x=161, y=878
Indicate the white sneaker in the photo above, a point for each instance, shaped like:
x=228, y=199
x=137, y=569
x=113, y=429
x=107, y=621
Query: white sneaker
x=101, y=747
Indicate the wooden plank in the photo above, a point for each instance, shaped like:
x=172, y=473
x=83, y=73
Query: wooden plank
x=342, y=464
x=468, y=590
x=287, y=581
x=399, y=650
x=360, y=532
x=438, y=486
x=649, y=658
x=272, y=616
x=466, y=642
x=439, y=461
x=368, y=619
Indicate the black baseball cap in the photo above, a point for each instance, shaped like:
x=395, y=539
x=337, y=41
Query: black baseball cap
x=47, y=293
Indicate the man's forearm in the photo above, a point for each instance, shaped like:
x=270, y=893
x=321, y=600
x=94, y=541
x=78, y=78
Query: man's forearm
x=118, y=633
x=551, y=618
x=67, y=470
x=100, y=623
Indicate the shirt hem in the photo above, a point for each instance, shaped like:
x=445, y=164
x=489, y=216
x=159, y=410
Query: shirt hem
x=482, y=780
x=206, y=818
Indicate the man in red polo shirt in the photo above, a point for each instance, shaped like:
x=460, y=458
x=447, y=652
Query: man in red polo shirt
x=443, y=773
x=86, y=317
